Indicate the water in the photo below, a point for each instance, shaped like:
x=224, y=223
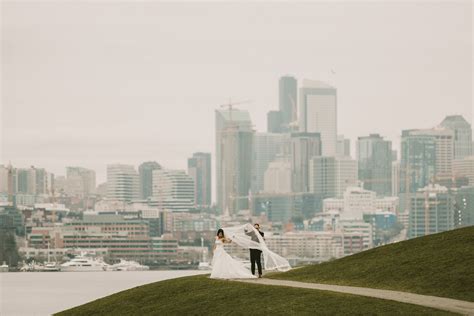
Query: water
x=45, y=293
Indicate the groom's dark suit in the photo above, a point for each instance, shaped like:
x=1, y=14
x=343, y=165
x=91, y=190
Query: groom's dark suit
x=255, y=254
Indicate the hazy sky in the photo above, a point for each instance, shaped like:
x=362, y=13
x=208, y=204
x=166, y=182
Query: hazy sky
x=90, y=84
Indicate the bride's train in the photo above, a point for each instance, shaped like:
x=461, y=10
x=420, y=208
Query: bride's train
x=226, y=267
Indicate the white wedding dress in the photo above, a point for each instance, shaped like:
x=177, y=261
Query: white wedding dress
x=226, y=267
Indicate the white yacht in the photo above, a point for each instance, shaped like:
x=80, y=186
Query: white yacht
x=125, y=265
x=80, y=264
x=204, y=265
x=51, y=267
x=4, y=267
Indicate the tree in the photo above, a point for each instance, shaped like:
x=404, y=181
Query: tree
x=8, y=248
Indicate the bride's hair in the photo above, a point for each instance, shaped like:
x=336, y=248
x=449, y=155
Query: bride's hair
x=220, y=230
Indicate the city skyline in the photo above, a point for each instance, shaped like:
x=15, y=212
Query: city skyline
x=140, y=123
x=166, y=146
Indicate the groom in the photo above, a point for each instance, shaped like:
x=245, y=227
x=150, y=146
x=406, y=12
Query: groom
x=255, y=254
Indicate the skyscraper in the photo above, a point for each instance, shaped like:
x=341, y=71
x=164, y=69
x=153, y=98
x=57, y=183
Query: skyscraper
x=346, y=174
x=395, y=177
x=318, y=113
x=329, y=177
x=464, y=207
x=417, y=165
x=85, y=178
x=8, y=181
x=303, y=147
x=22, y=181
x=3, y=179
x=464, y=168
x=343, y=146
x=266, y=147
x=199, y=169
x=431, y=211
x=322, y=176
x=444, y=147
x=234, y=145
x=374, y=155
x=462, y=135
x=274, y=123
x=277, y=177
x=33, y=181
x=172, y=190
x=145, y=171
x=287, y=88
x=122, y=182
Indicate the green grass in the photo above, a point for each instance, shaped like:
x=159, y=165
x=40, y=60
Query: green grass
x=200, y=295
x=439, y=265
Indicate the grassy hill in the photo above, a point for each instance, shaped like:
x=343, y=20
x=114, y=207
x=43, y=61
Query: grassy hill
x=200, y=295
x=440, y=265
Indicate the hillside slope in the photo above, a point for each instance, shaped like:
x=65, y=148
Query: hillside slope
x=200, y=295
x=440, y=265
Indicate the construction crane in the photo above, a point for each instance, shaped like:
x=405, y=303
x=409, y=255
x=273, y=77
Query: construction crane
x=293, y=125
x=231, y=104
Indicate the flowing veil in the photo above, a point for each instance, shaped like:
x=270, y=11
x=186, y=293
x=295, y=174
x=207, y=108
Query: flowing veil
x=241, y=235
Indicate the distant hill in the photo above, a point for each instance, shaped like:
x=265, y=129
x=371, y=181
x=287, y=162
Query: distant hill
x=440, y=265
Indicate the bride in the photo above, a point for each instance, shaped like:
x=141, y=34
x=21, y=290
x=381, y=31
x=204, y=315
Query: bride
x=226, y=267
x=223, y=265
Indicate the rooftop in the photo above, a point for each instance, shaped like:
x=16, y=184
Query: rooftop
x=237, y=115
x=455, y=121
x=307, y=83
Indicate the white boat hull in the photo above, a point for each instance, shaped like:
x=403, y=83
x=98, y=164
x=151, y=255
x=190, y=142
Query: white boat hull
x=82, y=269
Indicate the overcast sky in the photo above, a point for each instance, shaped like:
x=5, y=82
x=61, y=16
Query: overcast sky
x=90, y=84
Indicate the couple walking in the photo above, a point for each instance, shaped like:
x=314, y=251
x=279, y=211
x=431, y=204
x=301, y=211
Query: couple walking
x=250, y=237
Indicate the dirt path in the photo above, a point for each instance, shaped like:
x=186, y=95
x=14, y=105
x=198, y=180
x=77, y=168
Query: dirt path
x=447, y=304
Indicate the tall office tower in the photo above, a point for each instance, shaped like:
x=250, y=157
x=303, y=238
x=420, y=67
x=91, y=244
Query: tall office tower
x=145, y=171
x=287, y=87
x=431, y=211
x=329, y=177
x=274, y=122
x=395, y=178
x=22, y=181
x=3, y=179
x=199, y=168
x=234, y=145
x=32, y=181
x=8, y=179
x=277, y=177
x=303, y=147
x=318, y=113
x=266, y=147
x=346, y=174
x=464, y=168
x=85, y=178
x=374, y=155
x=172, y=190
x=122, y=182
x=464, y=207
x=444, y=143
x=417, y=165
x=462, y=135
x=343, y=146
x=394, y=155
